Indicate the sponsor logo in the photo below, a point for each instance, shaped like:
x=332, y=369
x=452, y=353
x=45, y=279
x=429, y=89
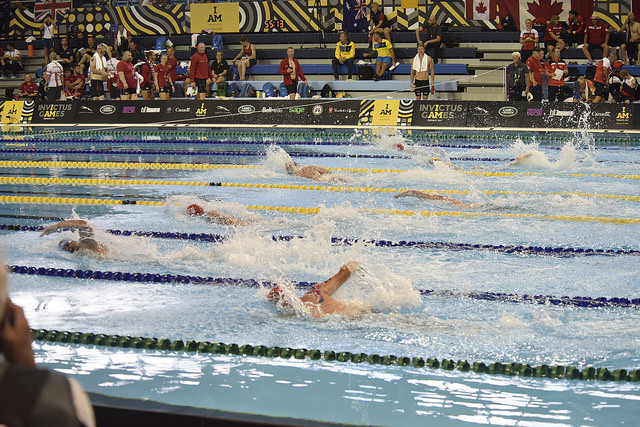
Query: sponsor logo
x=480, y=110
x=169, y=109
x=85, y=109
x=271, y=110
x=150, y=110
x=128, y=109
x=182, y=110
x=440, y=111
x=560, y=113
x=51, y=111
x=332, y=110
x=601, y=114
x=246, y=109
x=623, y=115
x=107, y=109
x=386, y=111
x=296, y=110
x=317, y=110
x=201, y=111
x=508, y=111
x=534, y=112
x=225, y=109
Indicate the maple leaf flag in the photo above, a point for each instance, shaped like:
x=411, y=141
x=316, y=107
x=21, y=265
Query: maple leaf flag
x=481, y=9
x=543, y=9
x=42, y=8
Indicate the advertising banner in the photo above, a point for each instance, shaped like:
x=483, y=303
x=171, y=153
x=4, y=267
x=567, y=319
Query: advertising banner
x=217, y=17
x=506, y=114
x=438, y=113
x=54, y=112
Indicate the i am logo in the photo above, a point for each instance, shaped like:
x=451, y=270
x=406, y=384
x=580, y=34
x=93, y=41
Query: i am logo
x=386, y=111
x=213, y=17
x=623, y=114
x=201, y=110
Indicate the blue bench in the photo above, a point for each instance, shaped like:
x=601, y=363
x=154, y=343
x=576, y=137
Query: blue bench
x=265, y=69
x=634, y=70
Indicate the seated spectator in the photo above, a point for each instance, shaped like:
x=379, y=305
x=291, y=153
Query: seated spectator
x=247, y=57
x=127, y=81
x=53, y=76
x=585, y=90
x=575, y=29
x=200, y=71
x=136, y=51
x=383, y=50
x=596, y=36
x=421, y=66
x=345, y=54
x=292, y=72
x=80, y=45
x=146, y=71
x=517, y=78
x=28, y=89
x=629, y=49
x=556, y=70
x=172, y=65
x=552, y=35
x=74, y=83
x=536, y=69
x=627, y=91
x=66, y=54
x=378, y=22
x=601, y=78
x=90, y=49
x=11, y=61
x=162, y=77
x=434, y=38
x=528, y=38
x=219, y=68
x=121, y=39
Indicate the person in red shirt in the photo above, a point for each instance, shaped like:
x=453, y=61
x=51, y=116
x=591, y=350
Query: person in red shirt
x=601, y=78
x=162, y=77
x=28, y=89
x=247, y=57
x=552, y=35
x=378, y=22
x=126, y=77
x=74, y=83
x=172, y=65
x=596, y=36
x=575, y=29
x=534, y=63
x=146, y=71
x=556, y=70
x=200, y=71
x=528, y=39
x=291, y=70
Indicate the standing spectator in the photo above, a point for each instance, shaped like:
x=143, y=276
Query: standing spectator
x=601, y=78
x=136, y=52
x=528, y=38
x=28, y=89
x=556, y=69
x=434, y=37
x=575, y=29
x=48, y=28
x=89, y=50
x=162, y=77
x=517, y=77
x=345, y=54
x=219, y=68
x=627, y=90
x=146, y=71
x=247, y=57
x=112, y=78
x=98, y=73
x=11, y=61
x=127, y=81
x=378, y=22
x=386, y=57
x=552, y=35
x=629, y=48
x=534, y=64
x=74, y=84
x=66, y=55
x=53, y=76
x=200, y=71
x=421, y=65
x=292, y=72
x=121, y=41
x=596, y=36
x=172, y=65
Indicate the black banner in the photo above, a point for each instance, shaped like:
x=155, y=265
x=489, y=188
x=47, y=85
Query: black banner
x=54, y=112
x=448, y=114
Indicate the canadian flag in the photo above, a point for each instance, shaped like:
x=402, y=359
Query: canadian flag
x=521, y=10
x=481, y=9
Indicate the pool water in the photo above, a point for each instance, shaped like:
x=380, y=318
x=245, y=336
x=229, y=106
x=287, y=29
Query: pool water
x=570, y=192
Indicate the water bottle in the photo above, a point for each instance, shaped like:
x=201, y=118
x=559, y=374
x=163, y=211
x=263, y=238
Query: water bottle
x=330, y=94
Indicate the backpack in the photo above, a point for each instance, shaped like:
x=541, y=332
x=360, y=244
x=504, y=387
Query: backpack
x=326, y=92
x=268, y=90
x=222, y=89
x=242, y=90
x=216, y=42
x=161, y=43
x=303, y=90
x=365, y=72
x=591, y=72
x=283, y=90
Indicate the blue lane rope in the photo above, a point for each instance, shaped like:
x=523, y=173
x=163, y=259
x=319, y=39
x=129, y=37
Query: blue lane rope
x=586, y=302
x=510, y=249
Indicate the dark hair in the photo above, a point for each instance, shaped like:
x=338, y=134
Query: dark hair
x=573, y=12
x=243, y=38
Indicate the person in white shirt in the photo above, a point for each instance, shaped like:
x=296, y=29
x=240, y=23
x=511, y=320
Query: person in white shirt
x=53, y=76
x=48, y=28
x=11, y=61
x=98, y=72
x=421, y=66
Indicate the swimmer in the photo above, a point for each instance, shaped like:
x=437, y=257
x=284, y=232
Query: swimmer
x=433, y=196
x=521, y=158
x=86, y=240
x=317, y=173
x=215, y=216
x=319, y=300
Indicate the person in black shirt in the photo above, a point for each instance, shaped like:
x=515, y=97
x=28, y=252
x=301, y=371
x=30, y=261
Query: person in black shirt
x=219, y=68
x=80, y=45
x=136, y=52
x=89, y=50
x=434, y=37
x=66, y=54
x=378, y=22
x=517, y=77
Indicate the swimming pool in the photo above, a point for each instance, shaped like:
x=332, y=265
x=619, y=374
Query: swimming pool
x=443, y=282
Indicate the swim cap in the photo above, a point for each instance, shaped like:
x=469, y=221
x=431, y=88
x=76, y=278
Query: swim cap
x=275, y=294
x=65, y=245
x=400, y=147
x=195, y=210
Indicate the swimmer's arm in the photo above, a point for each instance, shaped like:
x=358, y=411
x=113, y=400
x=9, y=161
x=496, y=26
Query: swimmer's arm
x=519, y=159
x=221, y=218
x=81, y=225
x=432, y=196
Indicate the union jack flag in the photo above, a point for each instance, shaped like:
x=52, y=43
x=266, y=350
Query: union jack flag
x=42, y=8
x=354, y=15
x=361, y=8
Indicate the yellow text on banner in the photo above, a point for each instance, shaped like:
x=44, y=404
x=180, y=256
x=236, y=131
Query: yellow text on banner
x=218, y=17
x=385, y=113
x=11, y=111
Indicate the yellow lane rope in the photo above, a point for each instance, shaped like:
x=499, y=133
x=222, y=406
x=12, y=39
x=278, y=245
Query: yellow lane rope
x=311, y=211
x=109, y=181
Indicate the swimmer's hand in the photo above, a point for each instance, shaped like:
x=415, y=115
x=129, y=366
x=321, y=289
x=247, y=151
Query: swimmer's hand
x=351, y=267
x=73, y=224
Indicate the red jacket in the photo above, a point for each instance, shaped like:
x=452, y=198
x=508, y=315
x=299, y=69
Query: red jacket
x=199, y=68
x=284, y=66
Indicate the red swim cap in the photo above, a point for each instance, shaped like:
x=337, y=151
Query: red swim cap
x=274, y=294
x=400, y=147
x=195, y=210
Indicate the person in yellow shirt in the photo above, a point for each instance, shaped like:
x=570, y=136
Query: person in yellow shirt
x=345, y=54
x=383, y=49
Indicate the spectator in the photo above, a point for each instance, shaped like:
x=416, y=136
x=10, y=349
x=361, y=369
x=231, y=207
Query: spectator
x=28, y=89
x=112, y=78
x=172, y=65
x=33, y=396
x=48, y=28
x=629, y=49
x=627, y=90
x=162, y=77
x=345, y=54
x=74, y=83
x=552, y=35
x=146, y=71
x=80, y=45
x=517, y=78
x=601, y=78
x=528, y=38
x=292, y=72
x=378, y=22
x=596, y=36
x=121, y=42
x=127, y=81
x=11, y=61
x=53, y=76
x=534, y=64
x=586, y=91
x=556, y=69
x=90, y=49
x=136, y=52
x=386, y=57
x=66, y=55
x=247, y=57
x=434, y=37
x=575, y=29
x=200, y=71
x=421, y=65
x=219, y=68
x=98, y=72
